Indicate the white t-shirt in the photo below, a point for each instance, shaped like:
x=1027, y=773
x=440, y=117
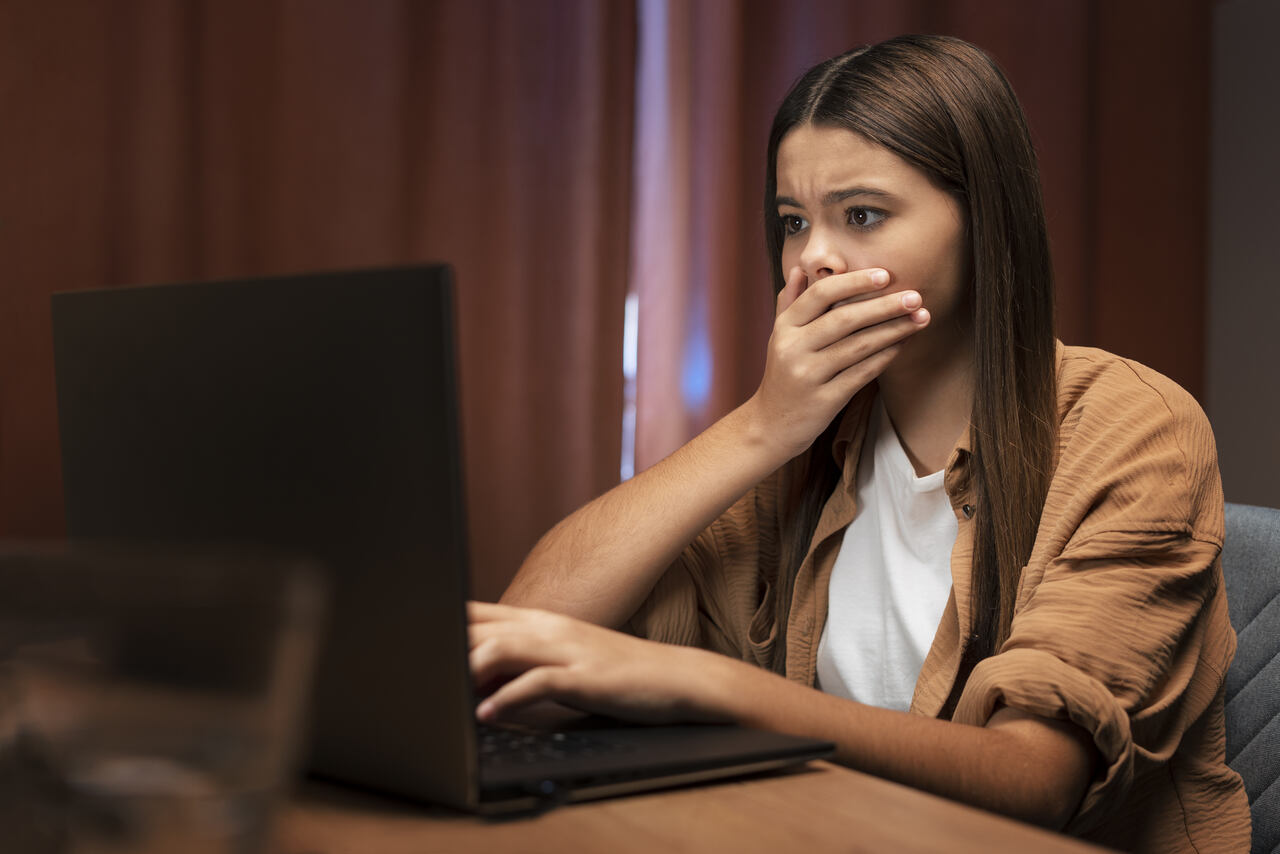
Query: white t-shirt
x=891, y=578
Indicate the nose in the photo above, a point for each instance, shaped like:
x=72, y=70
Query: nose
x=821, y=257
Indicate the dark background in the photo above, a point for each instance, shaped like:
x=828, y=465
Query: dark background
x=148, y=141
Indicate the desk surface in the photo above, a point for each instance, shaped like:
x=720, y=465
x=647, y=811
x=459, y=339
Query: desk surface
x=820, y=807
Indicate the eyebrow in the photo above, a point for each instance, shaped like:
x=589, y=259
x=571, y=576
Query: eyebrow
x=837, y=196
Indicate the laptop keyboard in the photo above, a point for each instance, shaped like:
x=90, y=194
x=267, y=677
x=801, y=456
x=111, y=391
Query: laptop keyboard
x=504, y=747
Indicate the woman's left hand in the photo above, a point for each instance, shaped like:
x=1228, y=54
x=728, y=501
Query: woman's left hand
x=525, y=656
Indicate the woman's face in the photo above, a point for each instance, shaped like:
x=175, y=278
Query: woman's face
x=848, y=204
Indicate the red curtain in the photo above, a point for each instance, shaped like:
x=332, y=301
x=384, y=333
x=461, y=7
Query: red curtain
x=1116, y=96
x=152, y=140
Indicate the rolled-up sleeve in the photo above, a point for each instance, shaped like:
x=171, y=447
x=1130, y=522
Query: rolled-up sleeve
x=1120, y=625
x=1124, y=649
x=718, y=594
x=670, y=613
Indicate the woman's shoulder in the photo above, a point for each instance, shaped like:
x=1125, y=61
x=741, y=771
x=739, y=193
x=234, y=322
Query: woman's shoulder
x=1133, y=436
x=1088, y=376
x=1102, y=394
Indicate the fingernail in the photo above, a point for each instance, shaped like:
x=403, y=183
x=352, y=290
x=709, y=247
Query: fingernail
x=880, y=277
x=920, y=316
x=484, y=711
x=911, y=300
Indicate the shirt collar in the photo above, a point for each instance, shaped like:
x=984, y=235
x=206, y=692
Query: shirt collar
x=847, y=446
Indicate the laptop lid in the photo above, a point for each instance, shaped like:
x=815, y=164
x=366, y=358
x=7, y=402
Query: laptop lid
x=314, y=413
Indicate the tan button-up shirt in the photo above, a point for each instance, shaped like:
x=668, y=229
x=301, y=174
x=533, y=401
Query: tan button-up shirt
x=1120, y=624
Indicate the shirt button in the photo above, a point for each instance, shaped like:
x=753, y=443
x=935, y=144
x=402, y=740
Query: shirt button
x=967, y=510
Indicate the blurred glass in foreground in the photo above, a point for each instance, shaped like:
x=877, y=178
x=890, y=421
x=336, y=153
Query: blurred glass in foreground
x=150, y=701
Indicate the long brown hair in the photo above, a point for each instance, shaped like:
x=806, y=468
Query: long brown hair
x=943, y=106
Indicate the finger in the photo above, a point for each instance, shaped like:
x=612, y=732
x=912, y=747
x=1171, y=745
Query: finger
x=501, y=657
x=479, y=632
x=796, y=282
x=865, y=346
x=480, y=612
x=530, y=687
x=844, y=385
x=529, y=633
x=825, y=293
x=849, y=318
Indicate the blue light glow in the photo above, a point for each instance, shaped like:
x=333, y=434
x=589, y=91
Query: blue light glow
x=695, y=375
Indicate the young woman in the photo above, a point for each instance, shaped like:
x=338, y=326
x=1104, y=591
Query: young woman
x=982, y=563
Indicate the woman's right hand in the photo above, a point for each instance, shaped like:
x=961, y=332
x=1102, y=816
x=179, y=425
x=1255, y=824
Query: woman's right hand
x=830, y=338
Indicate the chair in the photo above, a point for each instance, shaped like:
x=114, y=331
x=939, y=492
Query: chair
x=1251, y=570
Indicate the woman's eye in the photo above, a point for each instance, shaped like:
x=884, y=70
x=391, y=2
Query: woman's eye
x=865, y=217
x=792, y=224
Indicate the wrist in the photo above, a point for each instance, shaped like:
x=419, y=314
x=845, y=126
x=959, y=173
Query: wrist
x=758, y=432
x=722, y=689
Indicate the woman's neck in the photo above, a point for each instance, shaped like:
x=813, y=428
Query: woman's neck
x=928, y=395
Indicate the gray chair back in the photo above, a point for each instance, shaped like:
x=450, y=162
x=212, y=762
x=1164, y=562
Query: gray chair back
x=1251, y=570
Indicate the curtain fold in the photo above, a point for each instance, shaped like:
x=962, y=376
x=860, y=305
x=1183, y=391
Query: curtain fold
x=1118, y=152
x=155, y=141
x=162, y=141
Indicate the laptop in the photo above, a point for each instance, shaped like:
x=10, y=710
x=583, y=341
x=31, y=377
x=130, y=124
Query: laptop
x=319, y=413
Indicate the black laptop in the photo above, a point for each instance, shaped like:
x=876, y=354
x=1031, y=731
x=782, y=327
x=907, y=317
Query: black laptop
x=319, y=413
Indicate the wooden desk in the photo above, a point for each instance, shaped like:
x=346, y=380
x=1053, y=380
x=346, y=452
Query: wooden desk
x=818, y=808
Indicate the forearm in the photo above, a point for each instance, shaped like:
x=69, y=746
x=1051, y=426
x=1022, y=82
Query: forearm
x=1018, y=765
x=831, y=337
x=600, y=562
